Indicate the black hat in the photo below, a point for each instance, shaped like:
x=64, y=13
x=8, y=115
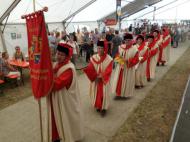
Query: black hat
x=63, y=48
x=100, y=43
x=128, y=36
x=157, y=31
x=141, y=37
x=150, y=36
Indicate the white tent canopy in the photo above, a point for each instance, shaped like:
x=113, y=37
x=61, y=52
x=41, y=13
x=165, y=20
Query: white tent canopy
x=58, y=10
x=98, y=10
x=166, y=10
x=90, y=10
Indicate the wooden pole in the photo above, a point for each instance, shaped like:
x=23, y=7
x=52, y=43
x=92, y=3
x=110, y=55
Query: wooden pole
x=40, y=114
x=34, y=5
x=39, y=101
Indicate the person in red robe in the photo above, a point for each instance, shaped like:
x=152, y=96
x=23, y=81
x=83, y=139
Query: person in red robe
x=152, y=57
x=158, y=38
x=140, y=72
x=164, y=53
x=64, y=107
x=99, y=72
x=124, y=77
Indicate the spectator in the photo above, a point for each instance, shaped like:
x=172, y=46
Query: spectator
x=18, y=55
x=95, y=37
x=116, y=42
x=74, y=45
x=130, y=28
x=80, y=41
x=52, y=43
x=109, y=36
x=176, y=37
x=58, y=38
x=87, y=46
x=5, y=68
x=64, y=37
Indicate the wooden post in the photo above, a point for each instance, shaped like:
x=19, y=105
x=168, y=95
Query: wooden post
x=45, y=9
x=34, y=5
x=40, y=114
x=39, y=101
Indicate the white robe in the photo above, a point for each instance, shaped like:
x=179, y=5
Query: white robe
x=159, y=43
x=166, y=50
x=67, y=110
x=140, y=73
x=128, y=76
x=153, y=62
x=106, y=87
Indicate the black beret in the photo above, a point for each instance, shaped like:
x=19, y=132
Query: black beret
x=100, y=43
x=150, y=36
x=157, y=31
x=140, y=36
x=128, y=36
x=63, y=49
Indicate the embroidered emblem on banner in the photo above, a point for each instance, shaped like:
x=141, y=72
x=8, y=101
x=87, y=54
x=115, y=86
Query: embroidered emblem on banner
x=35, y=49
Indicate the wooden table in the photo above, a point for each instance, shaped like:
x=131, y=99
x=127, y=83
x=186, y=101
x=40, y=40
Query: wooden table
x=19, y=65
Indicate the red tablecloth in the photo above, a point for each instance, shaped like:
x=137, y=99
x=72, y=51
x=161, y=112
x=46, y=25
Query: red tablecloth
x=22, y=64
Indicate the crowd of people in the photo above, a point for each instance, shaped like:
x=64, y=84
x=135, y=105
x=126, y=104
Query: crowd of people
x=84, y=42
x=131, y=58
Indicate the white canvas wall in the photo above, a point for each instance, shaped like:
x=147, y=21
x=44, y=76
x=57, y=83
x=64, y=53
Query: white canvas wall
x=15, y=35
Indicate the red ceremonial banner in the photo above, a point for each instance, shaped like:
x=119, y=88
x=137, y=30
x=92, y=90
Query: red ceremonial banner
x=41, y=71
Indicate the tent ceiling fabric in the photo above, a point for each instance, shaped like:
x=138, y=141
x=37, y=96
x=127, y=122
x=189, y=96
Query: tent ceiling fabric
x=6, y=7
x=58, y=10
x=133, y=7
x=97, y=10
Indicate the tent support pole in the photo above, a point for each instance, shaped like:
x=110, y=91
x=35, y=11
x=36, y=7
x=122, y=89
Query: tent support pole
x=8, y=11
x=64, y=28
x=3, y=41
x=34, y=5
x=5, y=23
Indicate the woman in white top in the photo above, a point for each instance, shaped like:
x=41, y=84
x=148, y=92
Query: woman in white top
x=74, y=45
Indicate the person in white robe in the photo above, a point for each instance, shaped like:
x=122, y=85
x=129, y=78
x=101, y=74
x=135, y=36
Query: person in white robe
x=164, y=55
x=124, y=77
x=99, y=72
x=65, y=118
x=152, y=57
x=140, y=73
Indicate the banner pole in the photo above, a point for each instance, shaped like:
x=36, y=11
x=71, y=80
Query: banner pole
x=39, y=101
x=34, y=5
x=40, y=113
